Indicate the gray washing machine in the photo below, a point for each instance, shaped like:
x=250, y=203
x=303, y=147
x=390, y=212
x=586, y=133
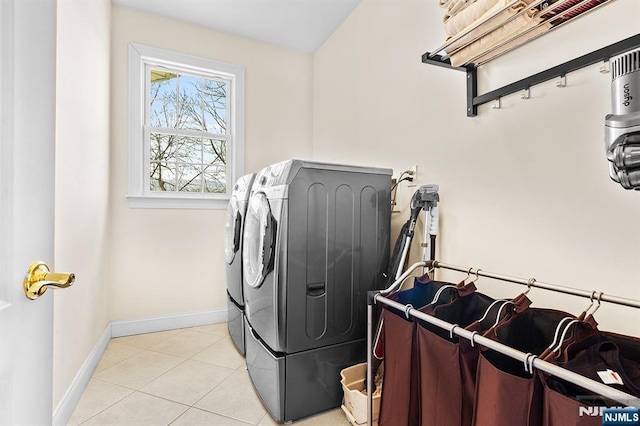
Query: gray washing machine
x=233, y=256
x=316, y=239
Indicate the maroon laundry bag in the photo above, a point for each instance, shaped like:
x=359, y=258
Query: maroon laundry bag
x=592, y=353
x=423, y=291
x=469, y=354
x=440, y=380
x=558, y=409
x=506, y=394
x=399, y=403
x=443, y=377
x=502, y=399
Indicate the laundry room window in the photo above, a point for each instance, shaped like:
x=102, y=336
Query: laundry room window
x=185, y=141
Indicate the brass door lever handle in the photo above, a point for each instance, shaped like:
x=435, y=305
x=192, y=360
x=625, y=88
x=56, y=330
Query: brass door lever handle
x=39, y=278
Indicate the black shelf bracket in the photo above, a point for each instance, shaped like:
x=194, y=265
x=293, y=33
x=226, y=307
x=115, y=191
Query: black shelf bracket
x=473, y=99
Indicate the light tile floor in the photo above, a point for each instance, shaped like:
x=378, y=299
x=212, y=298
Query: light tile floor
x=192, y=376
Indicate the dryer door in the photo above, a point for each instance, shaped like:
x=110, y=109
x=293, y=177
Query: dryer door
x=258, y=250
x=233, y=230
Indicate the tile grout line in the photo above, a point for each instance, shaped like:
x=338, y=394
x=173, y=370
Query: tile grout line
x=179, y=356
x=183, y=360
x=225, y=415
x=122, y=360
x=131, y=394
x=106, y=408
x=193, y=406
x=146, y=383
x=233, y=370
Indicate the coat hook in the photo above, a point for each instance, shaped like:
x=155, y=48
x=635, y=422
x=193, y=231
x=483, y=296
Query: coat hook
x=526, y=94
x=605, y=67
x=496, y=104
x=562, y=82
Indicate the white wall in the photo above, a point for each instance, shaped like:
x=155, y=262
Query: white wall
x=171, y=261
x=525, y=189
x=82, y=183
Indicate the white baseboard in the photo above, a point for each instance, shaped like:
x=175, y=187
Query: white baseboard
x=120, y=328
x=67, y=405
x=130, y=327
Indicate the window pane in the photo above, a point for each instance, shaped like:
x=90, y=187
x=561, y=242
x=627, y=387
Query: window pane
x=190, y=117
x=163, y=114
x=162, y=176
x=190, y=178
x=162, y=147
x=190, y=89
x=215, y=120
x=215, y=94
x=189, y=150
x=214, y=151
x=163, y=85
x=215, y=178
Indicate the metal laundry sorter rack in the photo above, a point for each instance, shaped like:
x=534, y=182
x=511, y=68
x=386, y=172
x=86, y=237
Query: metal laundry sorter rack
x=529, y=360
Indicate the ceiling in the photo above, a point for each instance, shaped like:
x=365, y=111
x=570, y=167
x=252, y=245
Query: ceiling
x=296, y=24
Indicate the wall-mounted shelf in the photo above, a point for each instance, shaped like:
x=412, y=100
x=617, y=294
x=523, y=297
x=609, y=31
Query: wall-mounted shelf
x=480, y=29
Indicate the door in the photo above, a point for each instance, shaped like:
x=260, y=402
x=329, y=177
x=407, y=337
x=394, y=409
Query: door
x=258, y=248
x=233, y=229
x=260, y=283
x=27, y=101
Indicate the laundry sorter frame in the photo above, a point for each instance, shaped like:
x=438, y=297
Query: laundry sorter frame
x=529, y=360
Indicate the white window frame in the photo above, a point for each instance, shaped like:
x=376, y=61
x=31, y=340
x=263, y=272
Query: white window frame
x=139, y=195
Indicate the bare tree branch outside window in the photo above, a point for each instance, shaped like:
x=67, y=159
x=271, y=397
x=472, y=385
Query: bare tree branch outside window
x=188, y=140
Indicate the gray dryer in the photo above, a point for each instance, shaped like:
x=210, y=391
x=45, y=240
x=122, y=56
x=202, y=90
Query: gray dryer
x=236, y=210
x=316, y=239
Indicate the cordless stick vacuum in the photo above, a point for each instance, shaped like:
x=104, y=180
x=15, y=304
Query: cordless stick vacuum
x=429, y=197
x=425, y=198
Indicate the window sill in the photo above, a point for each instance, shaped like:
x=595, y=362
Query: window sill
x=167, y=202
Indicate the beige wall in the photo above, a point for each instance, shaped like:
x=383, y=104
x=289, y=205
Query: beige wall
x=525, y=189
x=166, y=261
x=82, y=183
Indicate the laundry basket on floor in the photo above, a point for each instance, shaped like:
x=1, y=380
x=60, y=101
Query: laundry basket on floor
x=355, y=401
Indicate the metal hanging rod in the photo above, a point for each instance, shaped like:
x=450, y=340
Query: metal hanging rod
x=532, y=282
x=527, y=359
x=600, y=55
x=529, y=282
